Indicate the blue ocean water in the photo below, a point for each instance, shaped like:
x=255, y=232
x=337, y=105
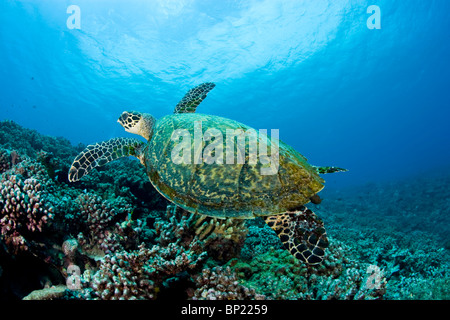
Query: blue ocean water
x=356, y=84
x=372, y=100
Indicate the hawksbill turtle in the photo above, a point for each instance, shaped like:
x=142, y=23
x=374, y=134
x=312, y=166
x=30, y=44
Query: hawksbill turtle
x=222, y=190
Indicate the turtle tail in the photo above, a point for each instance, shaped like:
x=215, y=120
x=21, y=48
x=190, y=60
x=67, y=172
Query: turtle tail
x=323, y=170
x=302, y=233
x=101, y=153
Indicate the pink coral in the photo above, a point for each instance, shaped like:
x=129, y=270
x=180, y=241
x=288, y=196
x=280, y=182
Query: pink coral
x=123, y=276
x=222, y=284
x=140, y=273
x=98, y=215
x=23, y=204
x=69, y=247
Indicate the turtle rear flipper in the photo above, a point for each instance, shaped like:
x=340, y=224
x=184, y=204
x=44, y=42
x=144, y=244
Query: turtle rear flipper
x=193, y=98
x=101, y=153
x=302, y=234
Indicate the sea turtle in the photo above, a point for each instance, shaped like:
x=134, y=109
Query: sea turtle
x=211, y=187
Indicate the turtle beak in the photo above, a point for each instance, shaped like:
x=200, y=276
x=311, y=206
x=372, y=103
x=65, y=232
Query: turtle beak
x=122, y=117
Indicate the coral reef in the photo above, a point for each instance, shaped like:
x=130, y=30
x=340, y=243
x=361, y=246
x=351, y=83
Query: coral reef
x=23, y=205
x=98, y=215
x=8, y=159
x=28, y=142
x=112, y=236
x=401, y=227
x=140, y=274
x=279, y=276
x=222, y=284
x=123, y=276
x=221, y=238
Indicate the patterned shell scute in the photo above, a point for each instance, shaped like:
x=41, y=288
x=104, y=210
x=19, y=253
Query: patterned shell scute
x=226, y=189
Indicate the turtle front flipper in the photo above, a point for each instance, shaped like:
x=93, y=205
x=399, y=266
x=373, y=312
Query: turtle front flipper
x=101, y=153
x=193, y=98
x=302, y=234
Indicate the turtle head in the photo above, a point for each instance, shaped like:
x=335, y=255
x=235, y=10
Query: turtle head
x=137, y=123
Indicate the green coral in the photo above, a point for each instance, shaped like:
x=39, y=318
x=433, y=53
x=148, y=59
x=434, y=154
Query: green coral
x=277, y=275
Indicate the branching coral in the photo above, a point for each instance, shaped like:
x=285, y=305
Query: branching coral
x=23, y=206
x=176, y=227
x=173, y=259
x=353, y=284
x=139, y=274
x=98, y=216
x=221, y=238
x=123, y=276
x=222, y=284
